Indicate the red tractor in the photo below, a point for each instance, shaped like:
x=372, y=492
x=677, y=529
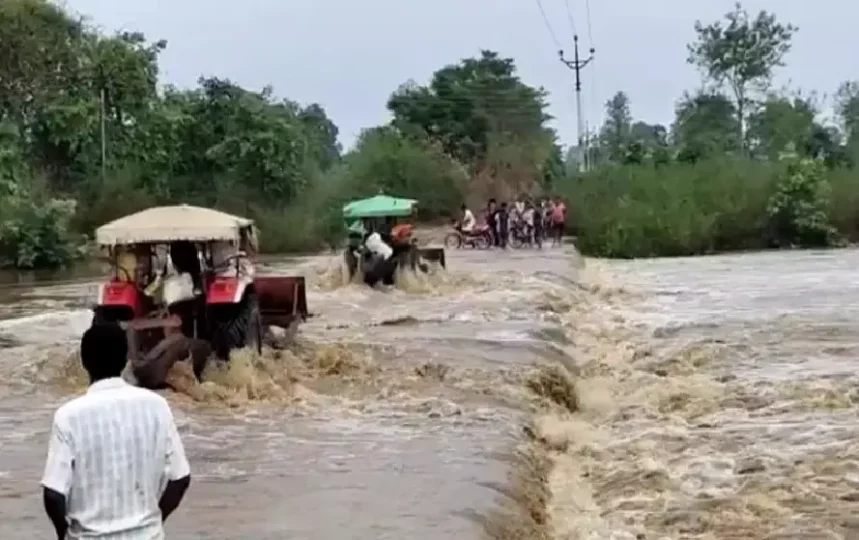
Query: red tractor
x=184, y=274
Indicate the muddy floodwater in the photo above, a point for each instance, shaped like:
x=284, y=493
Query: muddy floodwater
x=712, y=398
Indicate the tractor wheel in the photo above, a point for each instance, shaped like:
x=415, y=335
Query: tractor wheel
x=237, y=327
x=453, y=241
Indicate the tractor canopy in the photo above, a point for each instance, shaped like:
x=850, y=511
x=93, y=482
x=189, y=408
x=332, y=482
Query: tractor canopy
x=380, y=206
x=165, y=224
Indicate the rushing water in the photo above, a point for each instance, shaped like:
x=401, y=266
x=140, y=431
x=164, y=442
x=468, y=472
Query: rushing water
x=716, y=401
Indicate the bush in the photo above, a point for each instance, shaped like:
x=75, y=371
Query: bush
x=708, y=207
x=37, y=234
x=798, y=209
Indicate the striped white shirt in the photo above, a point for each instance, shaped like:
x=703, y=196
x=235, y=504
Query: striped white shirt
x=111, y=454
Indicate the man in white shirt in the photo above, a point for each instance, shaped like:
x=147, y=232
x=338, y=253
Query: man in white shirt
x=468, y=222
x=378, y=247
x=116, y=467
x=382, y=263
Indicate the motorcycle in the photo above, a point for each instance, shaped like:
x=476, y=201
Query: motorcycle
x=479, y=238
x=521, y=236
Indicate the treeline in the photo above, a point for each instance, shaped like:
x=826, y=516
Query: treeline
x=87, y=135
x=743, y=165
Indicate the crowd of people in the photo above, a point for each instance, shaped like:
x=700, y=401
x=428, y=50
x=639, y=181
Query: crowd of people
x=532, y=221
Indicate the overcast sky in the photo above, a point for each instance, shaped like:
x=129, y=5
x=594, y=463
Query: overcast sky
x=349, y=55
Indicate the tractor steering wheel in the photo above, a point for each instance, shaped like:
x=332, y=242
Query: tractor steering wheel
x=229, y=261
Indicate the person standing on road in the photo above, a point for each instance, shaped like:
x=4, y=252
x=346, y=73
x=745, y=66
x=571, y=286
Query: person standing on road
x=116, y=467
x=492, y=221
x=503, y=225
x=559, y=221
x=539, y=223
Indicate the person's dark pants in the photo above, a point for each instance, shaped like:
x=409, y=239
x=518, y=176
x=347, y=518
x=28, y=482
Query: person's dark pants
x=558, y=233
x=493, y=232
x=380, y=269
x=503, y=233
x=538, y=233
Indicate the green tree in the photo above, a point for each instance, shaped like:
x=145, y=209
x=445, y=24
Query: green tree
x=782, y=122
x=385, y=160
x=847, y=111
x=741, y=54
x=481, y=113
x=616, y=131
x=704, y=126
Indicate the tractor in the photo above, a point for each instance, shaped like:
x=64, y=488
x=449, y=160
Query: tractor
x=183, y=279
x=390, y=217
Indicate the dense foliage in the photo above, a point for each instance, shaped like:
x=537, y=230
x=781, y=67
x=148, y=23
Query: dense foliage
x=742, y=167
x=87, y=134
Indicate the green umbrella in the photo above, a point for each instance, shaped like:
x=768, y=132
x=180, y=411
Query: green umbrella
x=379, y=206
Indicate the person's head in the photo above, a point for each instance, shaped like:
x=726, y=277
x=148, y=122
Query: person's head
x=104, y=351
x=463, y=207
x=492, y=204
x=504, y=205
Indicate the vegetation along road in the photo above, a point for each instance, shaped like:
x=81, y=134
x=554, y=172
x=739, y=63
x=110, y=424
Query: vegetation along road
x=743, y=166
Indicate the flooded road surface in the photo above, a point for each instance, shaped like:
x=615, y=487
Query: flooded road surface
x=723, y=403
x=711, y=398
x=386, y=420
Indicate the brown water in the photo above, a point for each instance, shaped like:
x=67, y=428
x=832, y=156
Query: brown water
x=716, y=400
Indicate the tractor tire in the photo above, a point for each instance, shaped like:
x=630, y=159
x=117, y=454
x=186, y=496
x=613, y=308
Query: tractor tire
x=237, y=328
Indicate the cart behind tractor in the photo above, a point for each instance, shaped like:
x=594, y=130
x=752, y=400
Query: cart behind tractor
x=185, y=276
x=390, y=215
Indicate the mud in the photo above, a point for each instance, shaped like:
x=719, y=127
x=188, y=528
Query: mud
x=517, y=396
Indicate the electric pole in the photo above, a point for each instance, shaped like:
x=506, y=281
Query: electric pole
x=577, y=64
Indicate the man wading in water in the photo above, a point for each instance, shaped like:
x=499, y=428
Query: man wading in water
x=116, y=468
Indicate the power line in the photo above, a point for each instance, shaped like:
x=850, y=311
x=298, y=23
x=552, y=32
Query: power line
x=548, y=24
x=590, y=29
x=593, y=77
x=570, y=17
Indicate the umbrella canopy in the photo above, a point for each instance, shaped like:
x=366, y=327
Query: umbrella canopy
x=379, y=206
x=170, y=224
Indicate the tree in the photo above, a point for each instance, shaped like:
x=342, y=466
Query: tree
x=782, y=122
x=704, y=126
x=847, y=108
x=617, y=130
x=742, y=54
x=653, y=141
x=384, y=159
x=482, y=114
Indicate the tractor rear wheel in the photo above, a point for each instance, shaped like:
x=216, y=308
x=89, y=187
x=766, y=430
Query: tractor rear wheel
x=237, y=327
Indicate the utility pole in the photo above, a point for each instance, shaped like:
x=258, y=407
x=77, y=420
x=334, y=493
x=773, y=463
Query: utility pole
x=577, y=64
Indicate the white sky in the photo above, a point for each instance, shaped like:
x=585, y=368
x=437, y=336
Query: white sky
x=349, y=56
